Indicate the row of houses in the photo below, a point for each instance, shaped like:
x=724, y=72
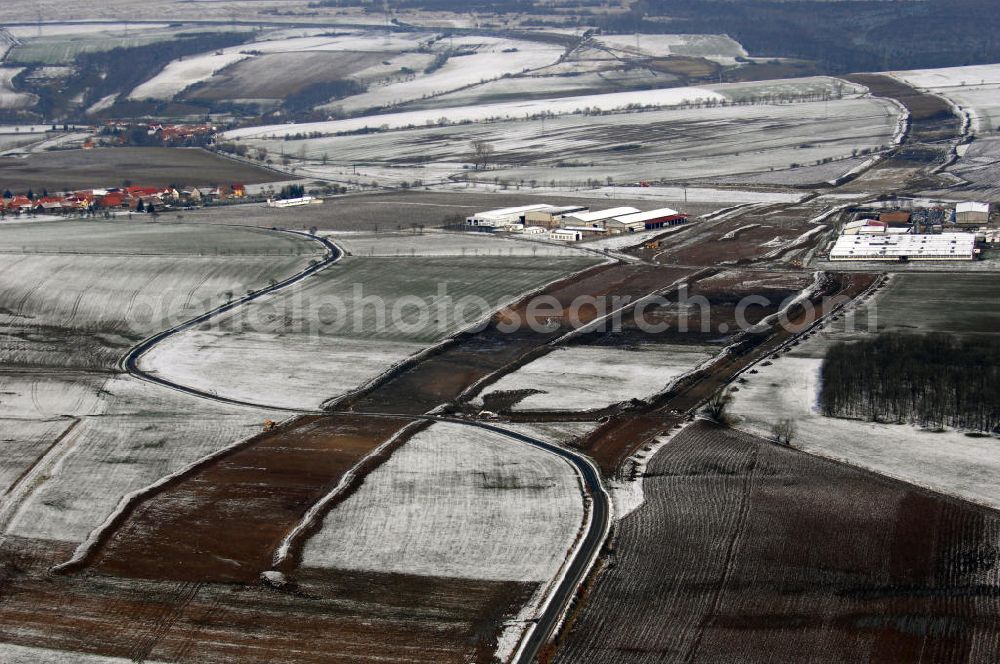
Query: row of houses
x=115, y=198
x=572, y=223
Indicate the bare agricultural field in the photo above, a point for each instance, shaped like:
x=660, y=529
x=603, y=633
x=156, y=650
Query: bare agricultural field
x=747, y=551
x=68, y=170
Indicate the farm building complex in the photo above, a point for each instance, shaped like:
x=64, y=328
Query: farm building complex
x=572, y=223
x=946, y=246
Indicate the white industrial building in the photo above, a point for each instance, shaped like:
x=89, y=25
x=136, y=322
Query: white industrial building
x=551, y=217
x=640, y=221
x=972, y=214
x=504, y=216
x=597, y=218
x=943, y=247
x=871, y=227
x=565, y=235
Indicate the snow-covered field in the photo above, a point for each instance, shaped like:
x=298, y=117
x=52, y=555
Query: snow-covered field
x=680, y=144
x=592, y=377
x=950, y=462
x=130, y=434
x=76, y=435
x=348, y=324
x=975, y=89
x=491, y=59
x=549, y=82
x=10, y=99
x=440, y=243
x=455, y=501
x=482, y=113
x=720, y=48
x=78, y=294
x=288, y=370
x=182, y=74
x=83, y=311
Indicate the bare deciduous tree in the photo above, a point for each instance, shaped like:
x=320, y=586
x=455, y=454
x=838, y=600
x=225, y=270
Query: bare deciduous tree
x=482, y=154
x=717, y=407
x=783, y=431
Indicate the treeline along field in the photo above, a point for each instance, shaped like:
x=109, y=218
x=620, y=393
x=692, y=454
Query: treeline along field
x=937, y=379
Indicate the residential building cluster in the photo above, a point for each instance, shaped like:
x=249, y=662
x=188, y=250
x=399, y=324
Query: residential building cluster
x=130, y=198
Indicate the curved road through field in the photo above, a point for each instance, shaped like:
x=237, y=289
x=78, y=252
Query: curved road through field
x=588, y=545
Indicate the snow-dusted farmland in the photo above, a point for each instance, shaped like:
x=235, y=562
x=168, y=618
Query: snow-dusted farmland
x=950, y=461
x=487, y=59
x=592, y=377
x=676, y=144
x=78, y=294
x=549, y=82
x=83, y=311
x=10, y=99
x=77, y=436
x=130, y=435
x=348, y=324
x=975, y=89
x=441, y=243
x=457, y=502
x=720, y=48
x=182, y=74
x=481, y=113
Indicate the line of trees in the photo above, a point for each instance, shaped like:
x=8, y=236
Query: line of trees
x=932, y=380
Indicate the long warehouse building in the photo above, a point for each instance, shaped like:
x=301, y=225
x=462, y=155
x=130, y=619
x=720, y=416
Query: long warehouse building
x=943, y=247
